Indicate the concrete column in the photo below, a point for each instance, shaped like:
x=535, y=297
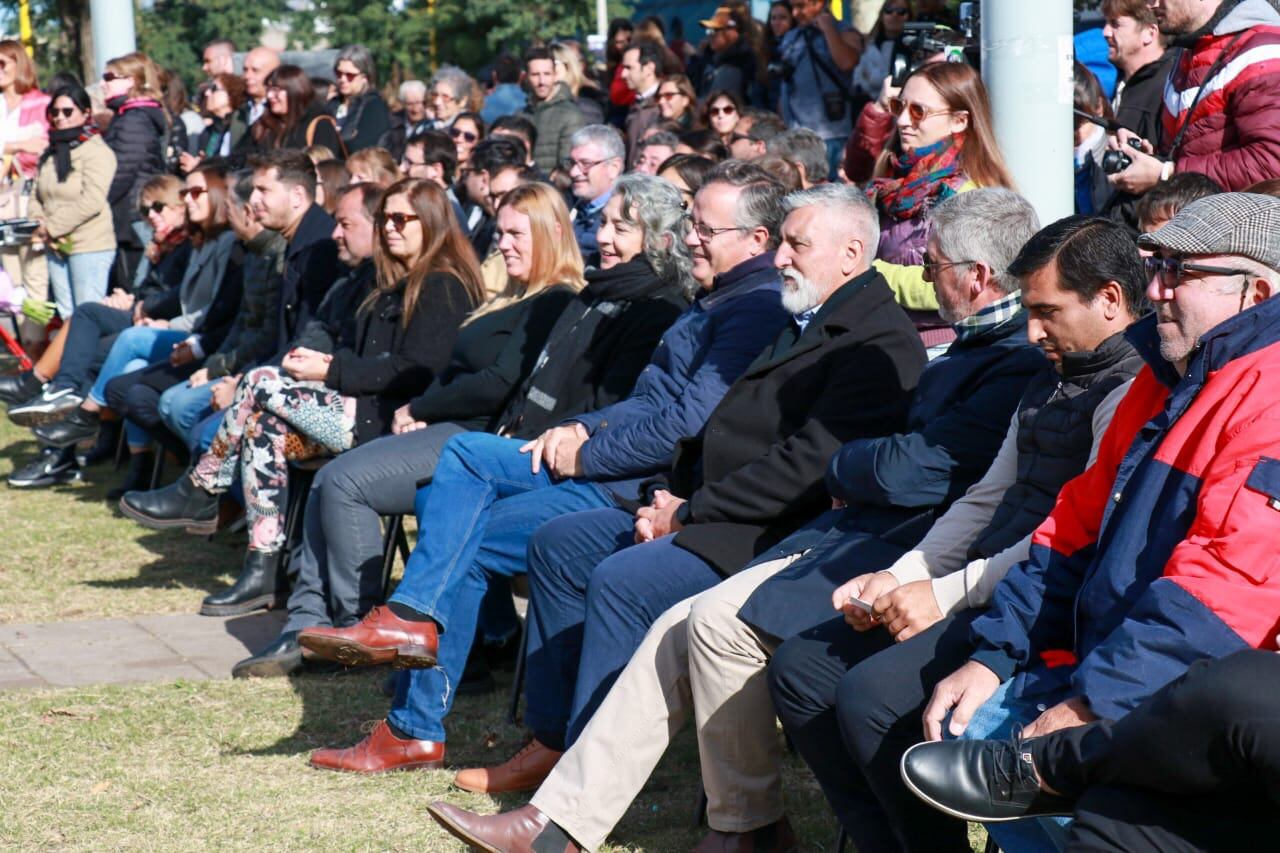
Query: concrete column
x=113, y=32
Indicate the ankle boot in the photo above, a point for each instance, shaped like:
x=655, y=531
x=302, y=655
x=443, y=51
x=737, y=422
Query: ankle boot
x=181, y=504
x=262, y=584
x=137, y=478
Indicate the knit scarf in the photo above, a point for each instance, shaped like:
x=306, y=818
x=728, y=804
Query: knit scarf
x=920, y=179
x=60, y=144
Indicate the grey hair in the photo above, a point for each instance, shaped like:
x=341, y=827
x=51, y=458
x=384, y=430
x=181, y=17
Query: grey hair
x=760, y=204
x=608, y=138
x=989, y=225
x=653, y=204
x=847, y=205
x=241, y=184
x=458, y=81
x=410, y=87
x=1255, y=269
x=359, y=56
x=802, y=147
x=662, y=137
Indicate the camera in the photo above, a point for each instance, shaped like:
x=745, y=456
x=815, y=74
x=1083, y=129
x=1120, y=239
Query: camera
x=781, y=69
x=1115, y=162
x=918, y=42
x=17, y=232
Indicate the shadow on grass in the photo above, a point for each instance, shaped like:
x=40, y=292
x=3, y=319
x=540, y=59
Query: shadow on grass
x=183, y=562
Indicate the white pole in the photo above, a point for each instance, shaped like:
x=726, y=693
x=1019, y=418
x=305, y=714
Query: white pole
x=113, y=33
x=1027, y=52
x=602, y=18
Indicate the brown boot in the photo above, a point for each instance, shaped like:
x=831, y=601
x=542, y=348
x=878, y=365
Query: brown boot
x=512, y=832
x=380, y=637
x=523, y=771
x=777, y=837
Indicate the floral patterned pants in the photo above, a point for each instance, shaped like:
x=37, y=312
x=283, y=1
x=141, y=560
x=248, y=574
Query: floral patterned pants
x=273, y=420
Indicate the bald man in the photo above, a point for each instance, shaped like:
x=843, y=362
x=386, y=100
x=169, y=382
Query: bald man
x=258, y=63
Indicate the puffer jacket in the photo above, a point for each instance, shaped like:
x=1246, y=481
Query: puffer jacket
x=1231, y=134
x=253, y=335
x=137, y=136
x=556, y=119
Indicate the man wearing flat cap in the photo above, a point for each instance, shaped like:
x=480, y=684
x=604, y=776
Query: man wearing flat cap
x=1165, y=551
x=730, y=61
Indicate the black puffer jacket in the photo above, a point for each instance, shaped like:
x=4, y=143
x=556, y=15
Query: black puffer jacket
x=137, y=136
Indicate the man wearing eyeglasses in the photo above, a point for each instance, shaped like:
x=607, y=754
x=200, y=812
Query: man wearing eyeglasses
x=552, y=108
x=596, y=156
x=1163, y=552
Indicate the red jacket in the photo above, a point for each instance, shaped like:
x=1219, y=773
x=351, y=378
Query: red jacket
x=1233, y=135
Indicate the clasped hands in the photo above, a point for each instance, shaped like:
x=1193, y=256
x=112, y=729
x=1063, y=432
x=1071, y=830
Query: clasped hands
x=903, y=609
x=306, y=365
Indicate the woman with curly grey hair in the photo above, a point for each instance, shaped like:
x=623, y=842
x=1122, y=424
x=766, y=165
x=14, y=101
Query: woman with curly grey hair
x=646, y=213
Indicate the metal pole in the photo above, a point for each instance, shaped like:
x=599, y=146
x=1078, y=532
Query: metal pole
x=1027, y=55
x=113, y=33
x=602, y=18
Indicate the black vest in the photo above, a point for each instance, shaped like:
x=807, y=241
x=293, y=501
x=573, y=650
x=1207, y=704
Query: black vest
x=1055, y=435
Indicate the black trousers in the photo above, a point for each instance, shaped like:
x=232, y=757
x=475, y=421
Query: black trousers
x=136, y=396
x=852, y=703
x=93, y=330
x=1195, y=767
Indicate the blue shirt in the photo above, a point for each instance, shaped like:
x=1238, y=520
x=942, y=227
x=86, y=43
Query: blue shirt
x=586, y=222
x=802, y=94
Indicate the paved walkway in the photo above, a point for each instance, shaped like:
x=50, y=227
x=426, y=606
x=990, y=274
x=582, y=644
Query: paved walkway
x=118, y=651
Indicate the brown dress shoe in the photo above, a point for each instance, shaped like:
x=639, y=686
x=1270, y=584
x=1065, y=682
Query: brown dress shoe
x=380, y=637
x=512, y=832
x=777, y=837
x=523, y=771
x=380, y=752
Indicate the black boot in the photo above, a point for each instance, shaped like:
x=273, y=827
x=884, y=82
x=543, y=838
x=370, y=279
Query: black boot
x=19, y=387
x=104, y=449
x=181, y=504
x=262, y=584
x=76, y=427
x=282, y=657
x=138, y=477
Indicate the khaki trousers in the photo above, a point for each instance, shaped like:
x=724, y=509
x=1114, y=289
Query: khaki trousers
x=700, y=658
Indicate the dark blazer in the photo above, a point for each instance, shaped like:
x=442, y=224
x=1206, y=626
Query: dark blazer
x=310, y=267
x=391, y=362
x=757, y=472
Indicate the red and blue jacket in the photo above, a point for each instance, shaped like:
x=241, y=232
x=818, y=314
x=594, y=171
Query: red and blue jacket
x=1167, y=549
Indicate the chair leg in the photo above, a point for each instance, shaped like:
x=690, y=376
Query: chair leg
x=700, y=809
x=393, y=535
x=517, y=678
x=157, y=468
x=122, y=450
x=299, y=486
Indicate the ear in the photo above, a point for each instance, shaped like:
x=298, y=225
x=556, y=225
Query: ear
x=851, y=258
x=980, y=278
x=1112, y=300
x=1262, y=291
x=959, y=122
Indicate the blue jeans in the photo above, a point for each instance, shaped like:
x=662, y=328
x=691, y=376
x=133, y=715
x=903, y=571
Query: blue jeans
x=201, y=436
x=996, y=720
x=182, y=407
x=135, y=348
x=593, y=594
x=474, y=522
x=78, y=279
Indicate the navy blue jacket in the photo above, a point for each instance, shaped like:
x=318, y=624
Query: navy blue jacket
x=310, y=267
x=698, y=358
x=896, y=485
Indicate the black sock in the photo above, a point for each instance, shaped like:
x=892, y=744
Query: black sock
x=552, y=839
x=399, y=732
x=551, y=740
x=407, y=613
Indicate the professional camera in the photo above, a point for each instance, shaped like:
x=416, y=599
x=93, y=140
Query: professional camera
x=17, y=232
x=919, y=41
x=781, y=69
x=1115, y=162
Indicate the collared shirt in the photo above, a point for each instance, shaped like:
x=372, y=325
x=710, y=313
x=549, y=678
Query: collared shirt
x=992, y=315
x=802, y=320
x=586, y=221
x=256, y=109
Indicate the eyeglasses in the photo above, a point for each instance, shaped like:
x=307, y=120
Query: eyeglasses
x=705, y=232
x=916, y=112
x=65, y=112
x=441, y=96
x=739, y=137
x=108, y=76
x=727, y=110
x=406, y=164
x=465, y=135
x=1169, y=271
x=348, y=75
x=583, y=166
x=275, y=87
x=900, y=11
x=192, y=193
x=154, y=207
x=666, y=96
x=931, y=266
x=398, y=221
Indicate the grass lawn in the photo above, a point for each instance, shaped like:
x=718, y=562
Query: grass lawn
x=222, y=765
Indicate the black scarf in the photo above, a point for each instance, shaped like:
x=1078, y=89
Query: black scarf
x=60, y=144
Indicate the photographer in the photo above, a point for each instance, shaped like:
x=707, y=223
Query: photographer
x=816, y=62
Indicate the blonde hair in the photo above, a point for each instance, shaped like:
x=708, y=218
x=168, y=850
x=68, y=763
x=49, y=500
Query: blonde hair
x=568, y=56
x=163, y=188
x=147, y=80
x=375, y=162
x=556, y=258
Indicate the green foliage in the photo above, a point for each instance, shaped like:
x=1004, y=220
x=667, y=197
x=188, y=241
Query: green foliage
x=174, y=32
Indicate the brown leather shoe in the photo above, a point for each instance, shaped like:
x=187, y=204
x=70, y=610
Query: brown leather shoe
x=380, y=752
x=380, y=637
x=523, y=771
x=777, y=837
x=512, y=832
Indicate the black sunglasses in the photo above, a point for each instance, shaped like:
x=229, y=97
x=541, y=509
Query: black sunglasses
x=154, y=207
x=65, y=112
x=192, y=193
x=1170, y=271
x=399, y=221
x=458, y=133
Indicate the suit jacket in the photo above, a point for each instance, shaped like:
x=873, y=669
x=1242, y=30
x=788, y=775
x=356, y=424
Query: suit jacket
x=756, y=474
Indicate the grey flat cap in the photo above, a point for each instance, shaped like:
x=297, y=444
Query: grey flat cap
x=1245, y=224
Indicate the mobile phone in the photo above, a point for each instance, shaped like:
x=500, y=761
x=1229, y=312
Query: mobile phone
x=860, y=604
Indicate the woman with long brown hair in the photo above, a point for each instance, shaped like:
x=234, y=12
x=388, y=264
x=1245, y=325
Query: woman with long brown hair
x=295, y=116
x=323, y=403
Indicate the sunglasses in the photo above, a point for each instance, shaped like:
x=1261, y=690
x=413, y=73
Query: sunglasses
x=931, y=266
x=154, y=207
x=348, y=75
x=108, y=76
x=192, y=193
x=916, y=112
x=465, y=135
x=666, y=96
x=398, y=221
x=65, y=112
x=1169, y=271
x=900, y=11
x=722, y=111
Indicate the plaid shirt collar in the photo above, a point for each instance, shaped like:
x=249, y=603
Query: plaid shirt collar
x=993, y=315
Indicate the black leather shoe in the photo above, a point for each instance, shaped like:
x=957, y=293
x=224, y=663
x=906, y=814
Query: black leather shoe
x=262, y=585
x=137, y=478
x=104, y=449
x=282, y=657
x=19, y=387
x=181, y=504
x=80, y=425
x=988, y=781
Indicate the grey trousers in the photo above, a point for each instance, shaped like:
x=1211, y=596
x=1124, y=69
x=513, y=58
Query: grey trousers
x=339, y=565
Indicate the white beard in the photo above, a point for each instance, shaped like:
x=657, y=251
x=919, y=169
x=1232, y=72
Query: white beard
x=799, y=294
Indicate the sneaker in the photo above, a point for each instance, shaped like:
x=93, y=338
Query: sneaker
x=51, y=404
x=19, y=388
x=54, y=466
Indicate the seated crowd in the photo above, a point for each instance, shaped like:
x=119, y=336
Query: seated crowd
x=783, y=415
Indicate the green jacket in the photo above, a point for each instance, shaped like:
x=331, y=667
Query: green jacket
x=556, y=119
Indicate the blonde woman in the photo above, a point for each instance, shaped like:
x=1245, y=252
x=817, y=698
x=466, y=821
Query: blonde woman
x=591, y=99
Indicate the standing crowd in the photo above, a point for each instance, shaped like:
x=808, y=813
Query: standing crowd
x=752, y=360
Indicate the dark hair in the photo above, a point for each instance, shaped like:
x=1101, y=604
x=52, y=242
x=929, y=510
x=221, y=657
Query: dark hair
x=474, y=118
x=1270, y=186
x=692, y=168
x=241, y=184
x=526, y=174
x=764, y=125
x=655, y=21
x=221, y=42
x=650, y=52
x=760, y=204
x=370, y=197
x=333, y=176
x=62, y=78
x=506, y=68
x=535, y=53
x=1165, y=199
x=1090, y=252
x=1139, y=10
x=299, y=93
x=495, y=152
x=1089, y=97
x=437, y=147
x=707, y=143
x=215, y=173
x=517, y=124
x=293, y=168
x=76, y=94
x=712, y=97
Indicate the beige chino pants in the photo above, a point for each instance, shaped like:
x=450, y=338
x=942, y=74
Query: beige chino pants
x=698, y=657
